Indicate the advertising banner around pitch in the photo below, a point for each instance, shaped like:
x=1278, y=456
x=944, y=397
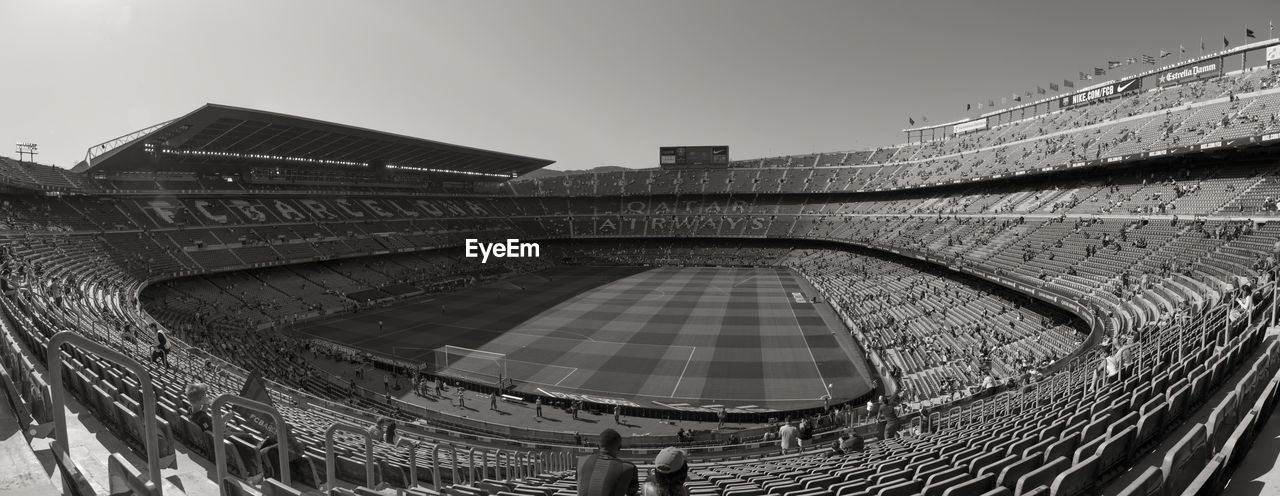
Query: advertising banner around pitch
x=1100, y=93
x=1203, y=70
x=966, y=127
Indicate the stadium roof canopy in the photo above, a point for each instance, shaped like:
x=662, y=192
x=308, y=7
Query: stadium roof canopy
x=217, y=136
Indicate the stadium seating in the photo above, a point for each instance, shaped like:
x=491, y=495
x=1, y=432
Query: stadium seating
x=1047, y=334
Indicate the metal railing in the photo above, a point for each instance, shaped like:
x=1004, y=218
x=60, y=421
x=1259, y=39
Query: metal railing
x=331, y=456
x=219, y=447
x=150, y=432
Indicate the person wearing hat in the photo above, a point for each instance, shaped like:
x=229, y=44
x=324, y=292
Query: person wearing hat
x=604, y=474
x=669, y=473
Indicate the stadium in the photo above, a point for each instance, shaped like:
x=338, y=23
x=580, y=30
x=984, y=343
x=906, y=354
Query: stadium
x=1073, y=292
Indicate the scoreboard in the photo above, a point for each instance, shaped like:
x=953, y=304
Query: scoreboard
x=693, y=156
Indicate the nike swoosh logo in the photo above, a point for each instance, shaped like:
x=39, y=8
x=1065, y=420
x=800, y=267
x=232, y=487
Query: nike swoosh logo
x=1125, y=87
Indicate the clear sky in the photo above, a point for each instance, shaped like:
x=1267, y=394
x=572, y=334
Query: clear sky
x=585, y=83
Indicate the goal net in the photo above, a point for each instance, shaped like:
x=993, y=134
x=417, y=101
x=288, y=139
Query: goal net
x=472, y=365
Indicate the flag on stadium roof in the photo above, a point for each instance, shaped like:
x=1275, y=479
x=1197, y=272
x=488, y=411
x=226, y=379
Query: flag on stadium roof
x=1131, y=60
x=1112, y=64
x=1039, y=90
x=1053, y=86
x=1069, y=83
x=925, y=118
x=1149, y=60
x=969, y=106
x=1098, y=71
x=991, y=103
x=1225, y=42
x=1083, y=76
x=1017, y=98
x=911, y=121
x=1248, y=33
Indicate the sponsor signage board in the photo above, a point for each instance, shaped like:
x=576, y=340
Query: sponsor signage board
x=1190, y=72
x=695, y=156
x=1100, y=93
x=971, y=126
x=1273, y=53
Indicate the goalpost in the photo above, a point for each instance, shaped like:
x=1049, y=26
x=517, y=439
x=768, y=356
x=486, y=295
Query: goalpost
x=472, y=365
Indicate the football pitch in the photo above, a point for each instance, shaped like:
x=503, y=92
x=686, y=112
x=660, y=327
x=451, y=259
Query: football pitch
x=683, y=336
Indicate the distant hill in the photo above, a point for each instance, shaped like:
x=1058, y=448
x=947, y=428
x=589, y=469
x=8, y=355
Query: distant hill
x=543, y=173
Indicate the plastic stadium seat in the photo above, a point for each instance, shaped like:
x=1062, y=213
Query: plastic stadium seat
x=744, y=491
x=821, y=482
x=998, y=465
x=1179, y=400
x=945, y=475
x=844, y=488
x=1064, y=447
x=978, y=463
x=1211, y=479
x=1042, y=476
x=809, y=492
x=1010, y=474
x=1199, y=387
x=1088, y=449
x=929, y=467
x=905, y=488
x=1095, y=429
x=272, y=487
x=938, y=486
x=1150, y=483
x=1185, y=459
x=1018, y=448
x=1116, y=449
x=1076, y=479
x=974, y=487
x=1037, y=491
x=1125, y=422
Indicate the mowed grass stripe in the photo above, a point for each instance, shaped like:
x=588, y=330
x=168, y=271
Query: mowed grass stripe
x=832, y=361
x=735, y=366
x=576, y=317
x=648, y=360
x=419, y=324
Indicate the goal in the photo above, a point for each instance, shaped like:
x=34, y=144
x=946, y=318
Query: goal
x=472, y=365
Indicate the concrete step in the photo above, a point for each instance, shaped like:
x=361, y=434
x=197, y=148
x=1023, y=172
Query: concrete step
x=21, y=473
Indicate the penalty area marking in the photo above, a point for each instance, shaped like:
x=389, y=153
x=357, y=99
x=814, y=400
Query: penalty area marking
x=686, y=369
x=566, y=376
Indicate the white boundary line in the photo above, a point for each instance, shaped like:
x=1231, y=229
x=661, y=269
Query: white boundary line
x=806, y=342
x=566, y=376
x=686, y=369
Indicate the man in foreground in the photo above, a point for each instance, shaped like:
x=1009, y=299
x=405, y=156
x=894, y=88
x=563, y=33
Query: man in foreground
x=603, y=474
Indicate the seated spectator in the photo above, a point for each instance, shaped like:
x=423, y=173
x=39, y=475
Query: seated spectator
x=603, y=474
x=852, y=442
x=197, y=394
x=669, y=474
x=836, y=449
